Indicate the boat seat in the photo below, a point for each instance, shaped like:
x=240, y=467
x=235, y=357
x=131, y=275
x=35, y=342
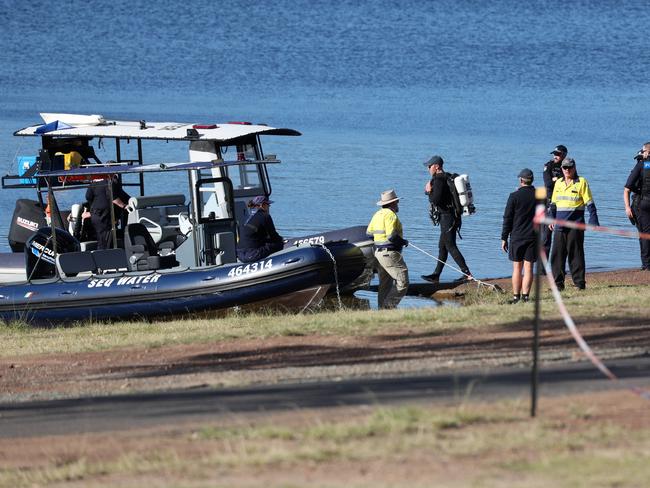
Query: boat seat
x=73, y=263
x=226, y=247
x=141, y=250
x=158, y=213
x=241, y=211
x=110, y=260
x=88, y=245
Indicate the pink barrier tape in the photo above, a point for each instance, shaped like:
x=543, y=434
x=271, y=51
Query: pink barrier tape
x=576, y=334
x=543, y=219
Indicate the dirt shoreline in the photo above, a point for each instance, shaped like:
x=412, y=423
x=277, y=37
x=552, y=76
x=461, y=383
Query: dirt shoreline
x=308, y=358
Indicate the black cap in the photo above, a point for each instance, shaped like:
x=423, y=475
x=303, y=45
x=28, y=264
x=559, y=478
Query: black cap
x=526, y=174
x=560, y=149
x=568, y=163
x=434, y=160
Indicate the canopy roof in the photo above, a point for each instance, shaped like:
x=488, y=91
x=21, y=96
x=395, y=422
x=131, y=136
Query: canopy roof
x=96, y=126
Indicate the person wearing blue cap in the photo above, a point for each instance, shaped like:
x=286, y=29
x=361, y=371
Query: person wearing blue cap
x=258, y=237
x=518, y=235
x=443, y=214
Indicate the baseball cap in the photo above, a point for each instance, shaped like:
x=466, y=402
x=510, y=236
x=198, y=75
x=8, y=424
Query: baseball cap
x=434, y=160
x=560, y=149
x=260, y=200
x=568, y=163
x=526, y=174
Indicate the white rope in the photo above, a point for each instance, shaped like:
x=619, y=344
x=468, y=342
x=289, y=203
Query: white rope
x=469, y=277
x=20, y=145
x=336, y=275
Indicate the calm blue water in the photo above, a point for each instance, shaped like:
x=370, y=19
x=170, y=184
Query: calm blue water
x=376, y=88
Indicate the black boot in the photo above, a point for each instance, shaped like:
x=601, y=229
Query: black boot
x=432, y=278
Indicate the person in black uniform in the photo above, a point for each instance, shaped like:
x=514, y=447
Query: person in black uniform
x=443, y=213
x=518, y=226
x=552, y=172
x=98, y=197
x=638, y=211
x=258, y=237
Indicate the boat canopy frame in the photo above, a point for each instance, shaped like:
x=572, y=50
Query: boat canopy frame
x=49, y=176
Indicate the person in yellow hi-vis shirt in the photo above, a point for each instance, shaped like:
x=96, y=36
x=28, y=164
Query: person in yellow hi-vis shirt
x=571, y=196
x=386, y=231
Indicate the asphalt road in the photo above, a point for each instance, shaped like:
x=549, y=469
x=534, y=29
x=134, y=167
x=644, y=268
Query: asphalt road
x=74, y=416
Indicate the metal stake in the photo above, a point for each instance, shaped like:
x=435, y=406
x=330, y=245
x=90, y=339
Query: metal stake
x=540, y=197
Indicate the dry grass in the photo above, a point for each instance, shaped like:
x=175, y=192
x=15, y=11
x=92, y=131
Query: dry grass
x=483, y=309
x=488, y=445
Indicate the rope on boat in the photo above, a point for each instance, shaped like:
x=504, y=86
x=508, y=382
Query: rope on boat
x=479, y=283
x=20, y=145
x=40, y=256
x=336, y=275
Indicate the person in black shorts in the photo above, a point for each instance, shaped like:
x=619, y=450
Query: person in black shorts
x=518, y=229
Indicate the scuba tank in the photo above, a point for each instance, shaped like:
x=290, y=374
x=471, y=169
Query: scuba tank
x=462, y=191
x=461, y=194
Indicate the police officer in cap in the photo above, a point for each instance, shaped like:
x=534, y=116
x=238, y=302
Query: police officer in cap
x=638, y=211
x=552, y=173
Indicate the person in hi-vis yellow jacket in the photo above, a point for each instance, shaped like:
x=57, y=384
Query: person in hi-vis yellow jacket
x=386, y=231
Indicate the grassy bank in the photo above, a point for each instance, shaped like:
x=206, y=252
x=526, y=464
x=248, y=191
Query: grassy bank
x=577, y=443
x=481, y=310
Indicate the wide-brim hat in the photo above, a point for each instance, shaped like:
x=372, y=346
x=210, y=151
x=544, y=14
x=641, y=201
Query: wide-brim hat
x=388, y=196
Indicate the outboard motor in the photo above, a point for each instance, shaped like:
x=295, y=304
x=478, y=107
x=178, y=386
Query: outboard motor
x=40, y=259
x=28, y=217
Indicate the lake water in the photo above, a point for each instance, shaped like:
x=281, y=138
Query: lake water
x=375, y=87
